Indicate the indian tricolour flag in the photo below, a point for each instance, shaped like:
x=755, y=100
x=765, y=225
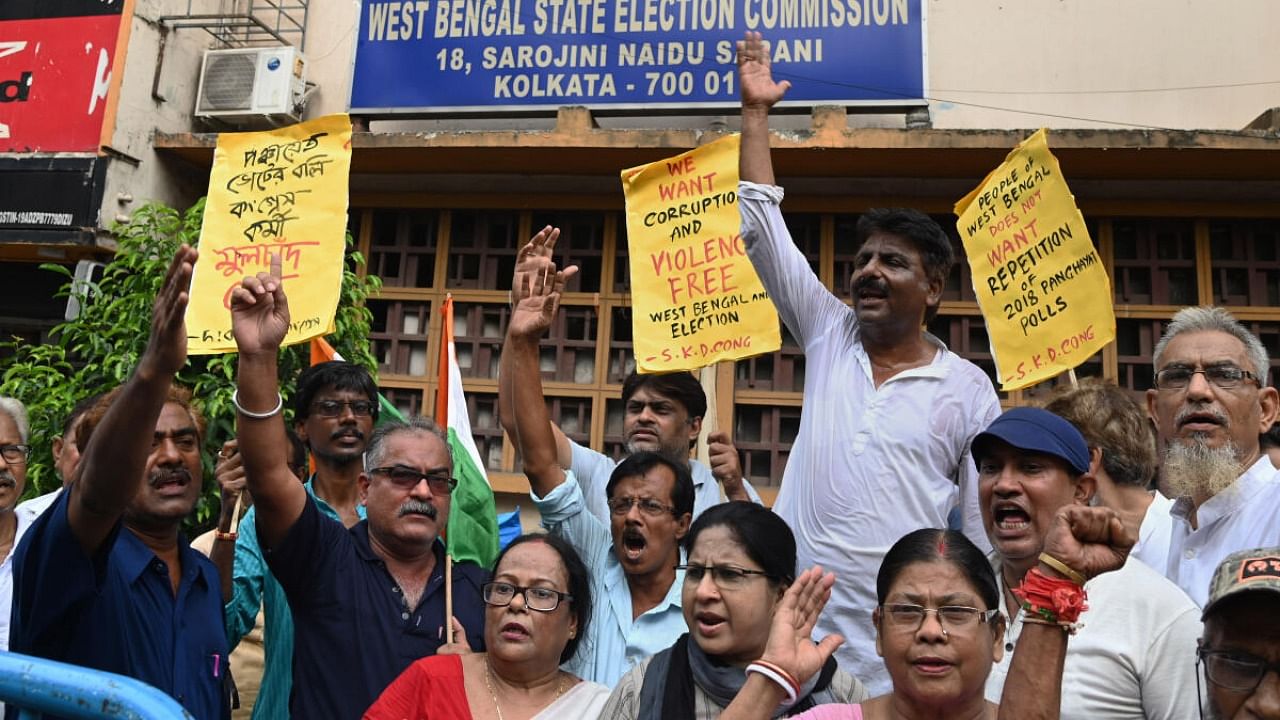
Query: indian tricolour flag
x=472, y=533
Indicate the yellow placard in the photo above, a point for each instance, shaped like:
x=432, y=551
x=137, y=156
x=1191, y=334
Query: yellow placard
x=278, y=192
x=695, y=297
x=1041, y=286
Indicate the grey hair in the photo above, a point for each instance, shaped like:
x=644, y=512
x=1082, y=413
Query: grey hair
x=1204, y=318
x=376, y=451
x=14, y=408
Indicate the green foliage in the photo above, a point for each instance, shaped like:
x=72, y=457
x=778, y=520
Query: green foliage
x=99, y=350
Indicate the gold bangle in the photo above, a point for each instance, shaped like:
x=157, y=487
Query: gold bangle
x=1073, y=575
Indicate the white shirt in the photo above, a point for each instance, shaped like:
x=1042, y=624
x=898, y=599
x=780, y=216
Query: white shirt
x=592, y=469
x=6, y=578
x=1245, y=515
x=1134, y=657
x=869, y=464
x=35, y=507
x=1152, y=547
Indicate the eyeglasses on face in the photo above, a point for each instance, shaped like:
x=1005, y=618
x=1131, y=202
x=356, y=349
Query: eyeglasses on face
x=1237, y=672
x=725, y=577
x=333, y=408
x=906, y=617
x=1225, y=377
x=15, y=454
x=500, y=594
x=648, y=506
x=407, y=478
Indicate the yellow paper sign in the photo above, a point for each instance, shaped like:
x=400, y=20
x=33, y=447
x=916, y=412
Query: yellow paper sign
x=695, y=297
x=278, y=192
x=1041, y=286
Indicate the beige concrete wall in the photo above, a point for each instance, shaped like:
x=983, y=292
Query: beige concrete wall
x=1066, y=57
x=1035, y=58
x=139, y=115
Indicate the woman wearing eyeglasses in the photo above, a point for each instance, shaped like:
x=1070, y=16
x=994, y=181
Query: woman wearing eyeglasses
x=938, y=629
x=741, y=560
x=538, y=606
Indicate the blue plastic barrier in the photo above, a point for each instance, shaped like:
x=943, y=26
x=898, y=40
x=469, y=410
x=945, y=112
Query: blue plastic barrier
x=37, y=686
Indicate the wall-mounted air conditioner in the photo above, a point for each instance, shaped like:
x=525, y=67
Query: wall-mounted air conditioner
x=248, y=85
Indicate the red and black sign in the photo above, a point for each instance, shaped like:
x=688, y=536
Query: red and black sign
x=56, y=58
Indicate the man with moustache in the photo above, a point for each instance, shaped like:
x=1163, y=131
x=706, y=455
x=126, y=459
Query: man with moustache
x=369, y=600
x=1127, y=659
x=334, y=410
x=661, y=413
x=1211, y=402
x=889, y=411
x=15, y=431
x=104, y=578
x=1240, y=650
x=649, y=497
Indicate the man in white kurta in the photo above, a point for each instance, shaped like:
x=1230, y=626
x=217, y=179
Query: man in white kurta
x=1211, y=401
x=889, y=412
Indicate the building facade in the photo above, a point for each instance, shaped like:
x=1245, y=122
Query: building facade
x=1161, y=118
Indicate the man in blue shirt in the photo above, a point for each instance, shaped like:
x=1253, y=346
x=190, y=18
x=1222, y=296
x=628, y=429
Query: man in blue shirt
x=104, y=579
x=334, y=410
x=367, y=601
x=650, y=501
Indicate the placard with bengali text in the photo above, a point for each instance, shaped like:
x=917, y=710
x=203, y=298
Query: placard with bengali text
x=283, y=191
x=695, y=297
x=1043, y=291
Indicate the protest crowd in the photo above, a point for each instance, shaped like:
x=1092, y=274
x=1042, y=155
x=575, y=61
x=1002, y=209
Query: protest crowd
x=929, y=556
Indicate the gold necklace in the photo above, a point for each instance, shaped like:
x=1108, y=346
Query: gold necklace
x=488, y=683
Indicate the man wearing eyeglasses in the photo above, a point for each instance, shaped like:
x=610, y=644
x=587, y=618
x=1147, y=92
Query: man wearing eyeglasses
x=14, y=434
x=1240, y=651
x=649, y=497
x=334, y=410
x=1211, y=402
x=370, y=600
x=1127, y=661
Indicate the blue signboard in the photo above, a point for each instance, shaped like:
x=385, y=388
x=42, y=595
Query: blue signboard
x=451, y=56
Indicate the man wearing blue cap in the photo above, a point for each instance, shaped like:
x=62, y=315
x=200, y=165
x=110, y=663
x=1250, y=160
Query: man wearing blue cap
x=1127, y=658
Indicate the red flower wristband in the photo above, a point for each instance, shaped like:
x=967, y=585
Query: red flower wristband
x=1055, y=601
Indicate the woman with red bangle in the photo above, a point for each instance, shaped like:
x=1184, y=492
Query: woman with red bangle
x=938, y=629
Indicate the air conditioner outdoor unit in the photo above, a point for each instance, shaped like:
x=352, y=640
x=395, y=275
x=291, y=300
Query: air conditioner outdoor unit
x=246, y=85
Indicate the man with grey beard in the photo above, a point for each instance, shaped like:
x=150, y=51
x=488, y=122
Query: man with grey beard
x=14, y=450
x=1210, y=403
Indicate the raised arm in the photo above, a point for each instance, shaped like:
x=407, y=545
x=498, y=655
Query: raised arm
x=521, y=406
x=229, y=472
x=115, y=460
x=1091, y=541
x=789, y=647
x=759, y=93
x=259, y=321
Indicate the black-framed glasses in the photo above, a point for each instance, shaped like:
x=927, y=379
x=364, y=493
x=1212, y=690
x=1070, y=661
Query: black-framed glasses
x=648, y=506
x=15, y=454
x=333, y=408
x=407, y=478
x=542, y=599
x=1234, y=671
x=907, y=617
x=1225, y=377
x=726, y=577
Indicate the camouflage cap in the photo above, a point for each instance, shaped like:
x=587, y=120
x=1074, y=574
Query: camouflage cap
x=1245, y=571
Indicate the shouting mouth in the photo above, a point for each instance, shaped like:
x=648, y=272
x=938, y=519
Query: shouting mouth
x=633, y=545
x=1010, y=519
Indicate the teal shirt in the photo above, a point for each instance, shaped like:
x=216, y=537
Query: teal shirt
x=254, y=587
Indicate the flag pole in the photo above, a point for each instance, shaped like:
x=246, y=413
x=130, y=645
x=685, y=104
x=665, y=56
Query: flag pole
x=442, y=419
x=448, y=596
